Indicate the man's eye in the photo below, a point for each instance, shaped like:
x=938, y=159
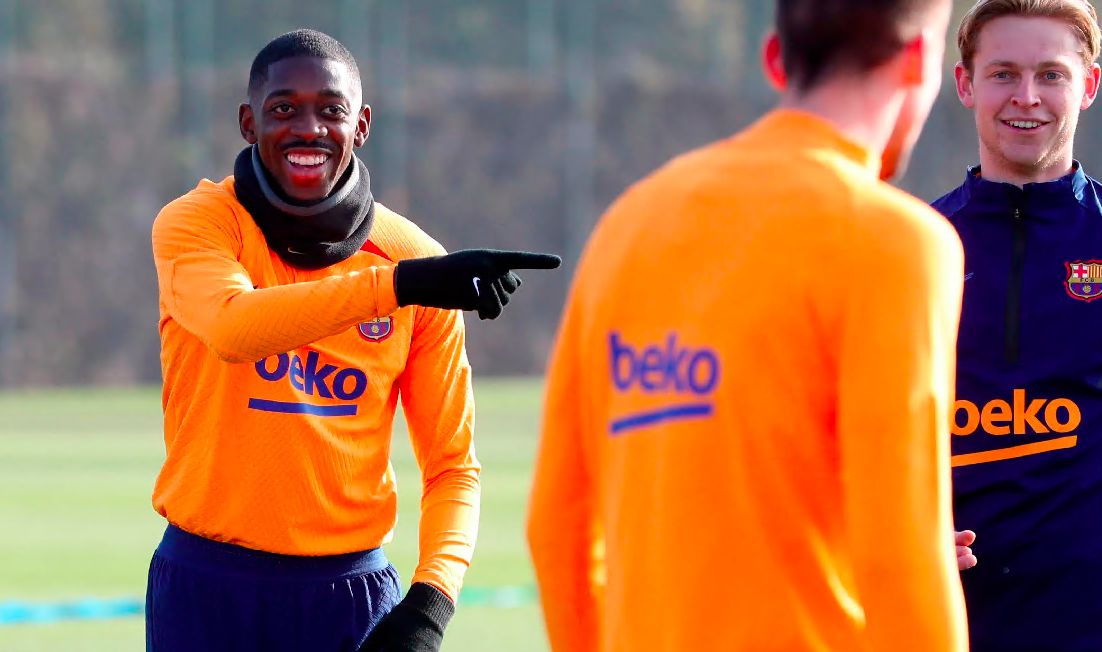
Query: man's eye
x=336, y=111
x=281, y=109
x=1001, y=74
x=1052, y=75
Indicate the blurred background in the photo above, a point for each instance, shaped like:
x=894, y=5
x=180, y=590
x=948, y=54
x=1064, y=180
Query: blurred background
x=500, y=123
x=508, y=123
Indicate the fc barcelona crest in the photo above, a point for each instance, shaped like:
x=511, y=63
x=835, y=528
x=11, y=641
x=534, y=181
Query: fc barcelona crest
x=377, y=329
x=1084, y=279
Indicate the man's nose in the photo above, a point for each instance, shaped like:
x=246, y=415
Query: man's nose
x=1026, y=93
x=309, y=127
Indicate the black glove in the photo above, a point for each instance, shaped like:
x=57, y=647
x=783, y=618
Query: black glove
x=416, y=624
x=471, y=279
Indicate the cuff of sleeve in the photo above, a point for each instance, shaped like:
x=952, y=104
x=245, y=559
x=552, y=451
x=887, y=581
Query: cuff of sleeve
x=386, y=300
x=446, y=585
x=432, y=602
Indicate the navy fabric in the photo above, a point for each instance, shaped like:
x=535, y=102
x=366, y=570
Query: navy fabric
x=212, y=596
x=1028, y=354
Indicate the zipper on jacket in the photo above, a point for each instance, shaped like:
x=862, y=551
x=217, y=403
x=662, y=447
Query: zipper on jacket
x=1014, y=289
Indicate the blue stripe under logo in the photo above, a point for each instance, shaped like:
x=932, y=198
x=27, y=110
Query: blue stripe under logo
x=649, y=418
x=302, y=408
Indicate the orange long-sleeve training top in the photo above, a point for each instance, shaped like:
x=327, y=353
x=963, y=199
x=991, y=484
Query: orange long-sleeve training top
x=746, y=434
x=281, y=385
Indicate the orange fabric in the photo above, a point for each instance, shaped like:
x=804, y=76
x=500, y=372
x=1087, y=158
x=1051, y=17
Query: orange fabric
x=746, y=434
x=246, y=341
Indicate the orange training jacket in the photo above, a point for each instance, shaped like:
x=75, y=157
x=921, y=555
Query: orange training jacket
x=746, y=434
x=281, y=384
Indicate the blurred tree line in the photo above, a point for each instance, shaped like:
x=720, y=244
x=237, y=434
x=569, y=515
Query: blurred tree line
x=502, y=123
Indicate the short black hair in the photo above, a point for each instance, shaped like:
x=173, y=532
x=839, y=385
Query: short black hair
x=299, y=43
x=821, y=37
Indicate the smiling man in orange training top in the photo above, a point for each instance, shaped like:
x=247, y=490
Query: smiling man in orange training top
x=1027, y=450
x=746, y=438
x=296, y=312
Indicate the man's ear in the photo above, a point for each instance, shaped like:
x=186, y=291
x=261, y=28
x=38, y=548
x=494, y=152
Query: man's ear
x=772, y=62
x=1091, y=89
x=964, y=85
x=363, y=126
x=246, y=121
x=913, y=63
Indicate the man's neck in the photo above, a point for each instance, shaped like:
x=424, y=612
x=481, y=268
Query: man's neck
x=999, y=170
x=861, y=109
x=279, y=198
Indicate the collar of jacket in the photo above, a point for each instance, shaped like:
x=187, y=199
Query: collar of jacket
x=1033, y=199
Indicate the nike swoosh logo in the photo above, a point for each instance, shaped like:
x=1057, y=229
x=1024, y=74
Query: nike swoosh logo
x=476, y=291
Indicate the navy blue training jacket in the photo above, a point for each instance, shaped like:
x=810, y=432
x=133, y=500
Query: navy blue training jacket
x=1027, y=431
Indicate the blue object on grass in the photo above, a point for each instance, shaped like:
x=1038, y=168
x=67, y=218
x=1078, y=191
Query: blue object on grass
x=13, y=612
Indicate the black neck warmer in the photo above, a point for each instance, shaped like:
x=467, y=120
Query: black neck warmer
x=308, y=236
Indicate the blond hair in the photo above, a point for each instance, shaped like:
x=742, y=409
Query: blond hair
x=1079, y=14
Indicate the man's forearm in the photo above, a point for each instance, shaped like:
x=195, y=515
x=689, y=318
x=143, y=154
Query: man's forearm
x=449, y=527
x=246, y=325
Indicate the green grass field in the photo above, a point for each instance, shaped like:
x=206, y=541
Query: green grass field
x=76, y=472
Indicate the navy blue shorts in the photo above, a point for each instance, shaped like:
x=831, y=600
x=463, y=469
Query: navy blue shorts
x=209, y=596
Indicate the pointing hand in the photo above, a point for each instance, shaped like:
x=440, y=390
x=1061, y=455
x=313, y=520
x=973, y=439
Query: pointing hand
x=471, y=279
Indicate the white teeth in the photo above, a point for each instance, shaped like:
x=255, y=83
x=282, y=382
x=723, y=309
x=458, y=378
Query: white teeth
x=1023, y=124
x=308, y=159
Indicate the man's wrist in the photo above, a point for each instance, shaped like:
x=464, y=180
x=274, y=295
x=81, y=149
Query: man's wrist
x=432, y=602
x=419, y=281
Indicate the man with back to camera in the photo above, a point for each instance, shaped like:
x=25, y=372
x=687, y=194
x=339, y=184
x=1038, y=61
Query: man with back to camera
x=1028, y=461
x=295, y=312
x=746, y=434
